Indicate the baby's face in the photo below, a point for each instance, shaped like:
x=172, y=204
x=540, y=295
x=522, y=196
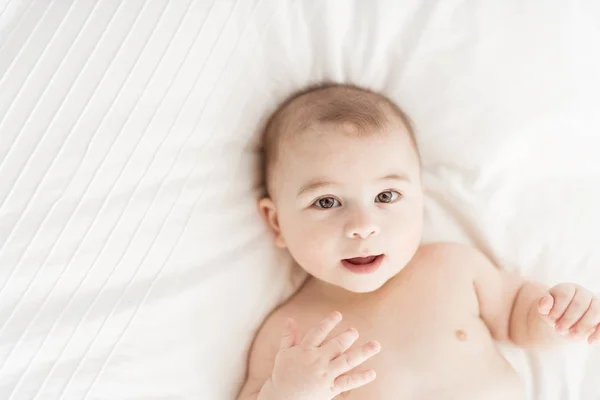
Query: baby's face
x=337, y=197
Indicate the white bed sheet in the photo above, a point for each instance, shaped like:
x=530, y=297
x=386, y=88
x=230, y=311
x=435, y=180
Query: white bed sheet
x=133, y=264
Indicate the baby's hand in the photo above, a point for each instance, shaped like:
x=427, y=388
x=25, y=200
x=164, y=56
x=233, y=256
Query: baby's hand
x=572, y=310
x=317, y=368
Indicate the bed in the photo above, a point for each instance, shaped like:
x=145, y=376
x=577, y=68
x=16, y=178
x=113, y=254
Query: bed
x=133, y=263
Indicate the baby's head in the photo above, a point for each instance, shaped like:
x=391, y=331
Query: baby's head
x=342, y=178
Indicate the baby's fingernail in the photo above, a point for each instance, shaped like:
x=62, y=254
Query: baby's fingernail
x=545, y=305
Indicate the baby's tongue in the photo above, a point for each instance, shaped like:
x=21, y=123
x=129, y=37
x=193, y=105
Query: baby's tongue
x=361, y=260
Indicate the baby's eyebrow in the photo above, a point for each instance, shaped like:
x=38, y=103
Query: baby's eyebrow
x=395, y=177
x=315, y=184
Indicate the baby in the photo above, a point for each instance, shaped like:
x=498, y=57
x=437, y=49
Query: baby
x=344, y=196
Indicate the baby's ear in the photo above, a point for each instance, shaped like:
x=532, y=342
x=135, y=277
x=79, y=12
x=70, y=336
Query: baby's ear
x=269, y=212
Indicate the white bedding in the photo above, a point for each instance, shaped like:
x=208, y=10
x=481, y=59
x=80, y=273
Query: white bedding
x=133, y=264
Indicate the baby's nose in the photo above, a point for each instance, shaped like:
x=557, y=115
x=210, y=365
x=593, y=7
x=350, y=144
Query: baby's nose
x=364, y=233
x=362, y=230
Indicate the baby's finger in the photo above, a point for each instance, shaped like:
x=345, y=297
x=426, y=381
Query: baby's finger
x=289, y=334
x=577, y=308
x=354, y=357
x=352, y=380
x=595, y=337
x=545, y=304
x=317, y=334
x=589, y=320
x=562, y=295
x=339, y=344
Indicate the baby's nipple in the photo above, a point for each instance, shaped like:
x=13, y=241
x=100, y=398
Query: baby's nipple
x=461, y=335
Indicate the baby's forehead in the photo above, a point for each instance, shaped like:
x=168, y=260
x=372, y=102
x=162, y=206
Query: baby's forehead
x=315, y=123
x=315, y=137
x=339, y=148
x=324, y=143
x=354, y=110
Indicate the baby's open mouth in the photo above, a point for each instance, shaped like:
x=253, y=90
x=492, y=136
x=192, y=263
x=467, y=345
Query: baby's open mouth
x=363, y=265
x=361, y=260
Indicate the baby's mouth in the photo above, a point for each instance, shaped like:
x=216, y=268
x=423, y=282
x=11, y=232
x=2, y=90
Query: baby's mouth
x=361, y=260
x=363, y=265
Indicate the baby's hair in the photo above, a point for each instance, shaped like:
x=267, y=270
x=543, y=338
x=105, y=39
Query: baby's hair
x=368, y=112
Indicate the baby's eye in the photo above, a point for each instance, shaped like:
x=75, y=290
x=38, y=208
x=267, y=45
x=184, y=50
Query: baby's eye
x=327, y=202
x=388, y=196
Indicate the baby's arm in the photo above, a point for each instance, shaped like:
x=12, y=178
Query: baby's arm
x=506, y=305
x=528, y=313
x=261, y=358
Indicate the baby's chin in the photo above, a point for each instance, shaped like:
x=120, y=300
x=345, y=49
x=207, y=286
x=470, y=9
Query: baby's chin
x=357, y=283
x=363, y=289
x=363, y=285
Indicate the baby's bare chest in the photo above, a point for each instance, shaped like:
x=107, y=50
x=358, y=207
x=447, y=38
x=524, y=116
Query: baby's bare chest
x=424, y=311
x=426, y=353
x=432, y=342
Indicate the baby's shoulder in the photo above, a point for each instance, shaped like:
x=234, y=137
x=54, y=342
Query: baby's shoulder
x=267, y=338
x=269, y=335
x=450, y=257
x=446, y=250
x=264, y=349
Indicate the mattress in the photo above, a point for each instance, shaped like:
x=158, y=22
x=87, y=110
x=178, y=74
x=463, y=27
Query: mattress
x=133, y=263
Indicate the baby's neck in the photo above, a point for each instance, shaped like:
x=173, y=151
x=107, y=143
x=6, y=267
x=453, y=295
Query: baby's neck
x=318, y=289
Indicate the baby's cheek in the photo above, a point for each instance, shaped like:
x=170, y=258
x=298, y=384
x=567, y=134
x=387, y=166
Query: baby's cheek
x=317, y=246
x=311, y=249
x=415, y=234
x=407, y=236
